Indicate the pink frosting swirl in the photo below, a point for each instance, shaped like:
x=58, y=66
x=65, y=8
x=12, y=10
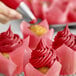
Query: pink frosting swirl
x=65, y=37
x=42, y=56
x=9, y=41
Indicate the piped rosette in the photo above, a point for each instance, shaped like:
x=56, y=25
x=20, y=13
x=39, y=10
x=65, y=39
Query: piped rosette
x=65, y=46
x=12, y=52
x=43, y=61
x=42, y=56
x=65, y=37
x=9, y=41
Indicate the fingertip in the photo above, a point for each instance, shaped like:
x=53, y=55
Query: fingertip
x=19, y=16
x=15, y=15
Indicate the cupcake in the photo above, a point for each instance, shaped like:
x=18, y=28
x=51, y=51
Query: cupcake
x=45, y=9
x=36, y=32
x=43, y=61
x=72, y=12
x=57, y=11
x=65, y=46
x=37, y=8
x=12, y=53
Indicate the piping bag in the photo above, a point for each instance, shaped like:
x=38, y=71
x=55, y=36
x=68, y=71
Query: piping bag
x=22, y=8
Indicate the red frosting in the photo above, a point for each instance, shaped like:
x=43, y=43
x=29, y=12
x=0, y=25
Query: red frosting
x=9, y=41
x=65, y=37
x=42, y=56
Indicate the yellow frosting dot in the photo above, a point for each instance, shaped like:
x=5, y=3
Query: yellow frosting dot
x=38, y=30
x=6, y=55
x=43, y=70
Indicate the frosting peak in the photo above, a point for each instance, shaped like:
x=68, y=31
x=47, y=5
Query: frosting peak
x=42, y=56
x=9, y=41
x=65, y=37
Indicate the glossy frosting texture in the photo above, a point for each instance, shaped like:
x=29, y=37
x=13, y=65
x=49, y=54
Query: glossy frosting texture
x=65, y=37
x=42, y=56
x=9, y=41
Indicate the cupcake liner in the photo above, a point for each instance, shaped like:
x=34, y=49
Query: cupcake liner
x=37, y=8
x=7, y=67
x=53, y=71
x=26, y=32
x=14, y=65
x=20, y=54
x=34, y=39
x=67, y=57
x=72, y=14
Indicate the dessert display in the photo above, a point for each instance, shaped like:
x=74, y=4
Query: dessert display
x=36, y=54
x=43, y=61
x=65, y=47
x=36, y=32
x=12, y=52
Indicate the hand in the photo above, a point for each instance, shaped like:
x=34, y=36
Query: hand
x=7, y=14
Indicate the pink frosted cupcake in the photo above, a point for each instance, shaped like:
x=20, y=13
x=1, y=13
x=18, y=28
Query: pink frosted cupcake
x=37, y=8
x=43, y=61
x=65, y=45
x=72, y=12
x=57, y=11
x=36, y=32
x=12, y=53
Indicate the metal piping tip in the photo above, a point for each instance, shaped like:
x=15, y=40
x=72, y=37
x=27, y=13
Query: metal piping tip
x=26, y=12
